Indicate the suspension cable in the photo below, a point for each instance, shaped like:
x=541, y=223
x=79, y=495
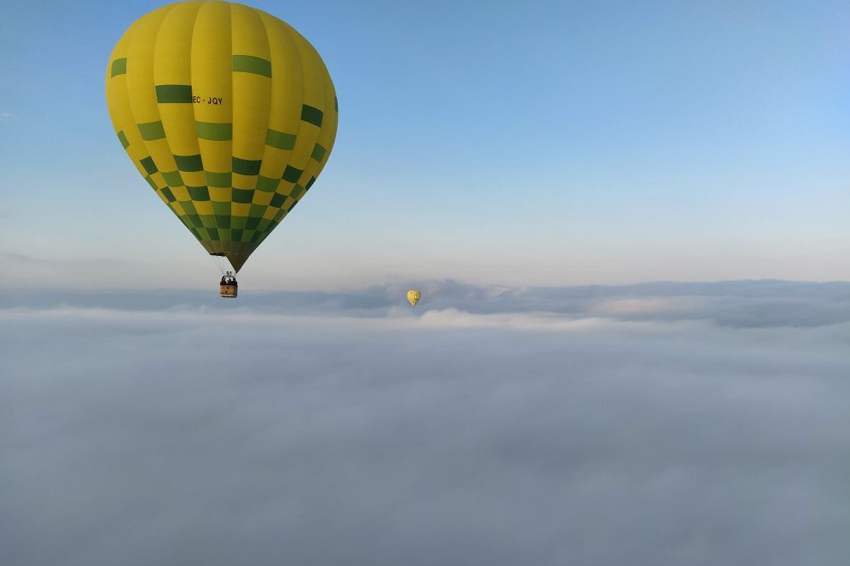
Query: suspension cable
x=217, y=260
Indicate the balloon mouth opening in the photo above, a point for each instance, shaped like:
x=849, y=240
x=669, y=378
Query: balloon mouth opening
x=237, y=253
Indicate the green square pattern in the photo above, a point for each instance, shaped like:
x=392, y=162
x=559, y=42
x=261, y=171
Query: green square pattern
x=173, y=178
x=199, y=193
x=219, y=180
x=174, y=94
x=318, y=153
x=251, y=64
x=189, y=163
x=311, y=115
x=266, y=185
x=292, y=174
x=119, y=67
x=148, y=165
x=246, y=166
x=152, y=131
x=243, y=196
x=280, y=140
x=214, y=132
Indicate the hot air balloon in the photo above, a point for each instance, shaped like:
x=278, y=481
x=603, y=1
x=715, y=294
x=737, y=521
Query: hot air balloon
x=413, y=297
x=227, y=112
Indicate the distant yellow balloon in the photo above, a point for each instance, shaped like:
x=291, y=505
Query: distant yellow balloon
x=413, y=297
x=229, y=115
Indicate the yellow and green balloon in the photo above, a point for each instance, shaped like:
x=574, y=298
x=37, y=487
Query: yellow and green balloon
x=227, y=112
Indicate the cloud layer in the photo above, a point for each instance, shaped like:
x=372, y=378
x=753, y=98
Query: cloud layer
x=738, y=304
x=648, y=425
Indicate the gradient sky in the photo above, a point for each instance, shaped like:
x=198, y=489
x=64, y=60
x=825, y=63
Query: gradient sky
x=517, y=143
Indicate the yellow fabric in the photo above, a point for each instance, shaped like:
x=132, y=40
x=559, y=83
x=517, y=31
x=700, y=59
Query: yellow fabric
x=227, y=112
x=413, y=297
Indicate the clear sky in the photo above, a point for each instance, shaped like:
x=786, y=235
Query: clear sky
x=516, y=143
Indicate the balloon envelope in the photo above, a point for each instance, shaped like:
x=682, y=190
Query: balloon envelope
x=227, y=112
x=413, y=297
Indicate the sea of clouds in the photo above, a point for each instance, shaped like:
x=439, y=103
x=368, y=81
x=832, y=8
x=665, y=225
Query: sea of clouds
x=651, y=424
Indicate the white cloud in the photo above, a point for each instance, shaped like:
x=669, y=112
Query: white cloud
x=204, y=433
x=533, y=322
x=744, y=304
x=399, y=319
x=644, y=305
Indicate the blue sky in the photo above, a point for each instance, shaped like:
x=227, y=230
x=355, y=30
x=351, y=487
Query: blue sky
x=516, y=143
